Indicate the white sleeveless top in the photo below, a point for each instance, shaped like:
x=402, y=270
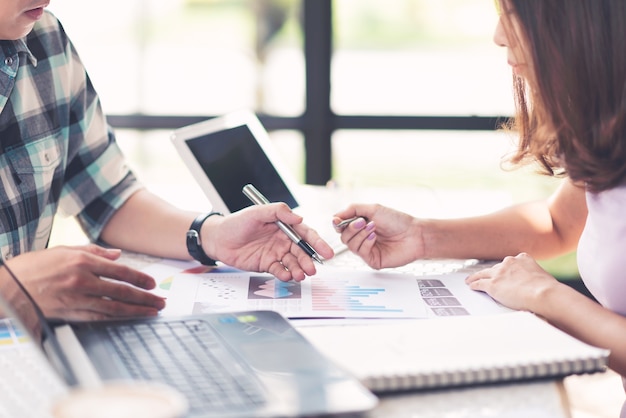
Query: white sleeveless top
x=602, y=248
x=602, y=252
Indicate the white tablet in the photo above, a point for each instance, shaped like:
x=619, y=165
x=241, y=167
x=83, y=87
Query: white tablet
x=226, y=153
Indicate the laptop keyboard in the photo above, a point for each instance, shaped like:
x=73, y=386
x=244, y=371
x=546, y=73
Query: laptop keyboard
x=187, y=355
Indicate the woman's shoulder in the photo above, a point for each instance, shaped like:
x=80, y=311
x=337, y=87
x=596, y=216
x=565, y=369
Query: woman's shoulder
x=607, y=199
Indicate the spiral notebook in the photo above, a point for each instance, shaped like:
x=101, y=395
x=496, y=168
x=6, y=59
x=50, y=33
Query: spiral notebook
x=455, y=351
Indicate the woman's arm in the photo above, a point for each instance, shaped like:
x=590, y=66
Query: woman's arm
x=384, y=237
x=542, y=229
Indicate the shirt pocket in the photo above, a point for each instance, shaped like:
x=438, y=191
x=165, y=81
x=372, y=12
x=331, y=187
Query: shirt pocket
x=33, y=165
x=37, y=174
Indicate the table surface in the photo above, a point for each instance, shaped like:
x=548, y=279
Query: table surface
x=537, y=399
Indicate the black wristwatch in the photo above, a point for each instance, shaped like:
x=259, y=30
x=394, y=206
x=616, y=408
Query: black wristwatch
x=194, y=245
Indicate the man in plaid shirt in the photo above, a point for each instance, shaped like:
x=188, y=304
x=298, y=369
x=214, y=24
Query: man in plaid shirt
x=58, y=153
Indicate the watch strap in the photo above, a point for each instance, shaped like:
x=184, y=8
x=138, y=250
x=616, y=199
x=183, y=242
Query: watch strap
x=194, y=244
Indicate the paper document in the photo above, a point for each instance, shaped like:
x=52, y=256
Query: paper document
x=10, y=335
x=332, y=293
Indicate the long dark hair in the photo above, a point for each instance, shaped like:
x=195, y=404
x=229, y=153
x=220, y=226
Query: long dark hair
x=572, y=120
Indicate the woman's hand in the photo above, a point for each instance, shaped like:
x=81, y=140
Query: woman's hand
x=381, y=236
x=517, y=282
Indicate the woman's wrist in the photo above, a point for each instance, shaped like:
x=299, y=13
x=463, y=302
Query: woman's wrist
x=421, y=230
x=545, y=298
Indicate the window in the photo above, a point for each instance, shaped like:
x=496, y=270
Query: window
x=415, y=86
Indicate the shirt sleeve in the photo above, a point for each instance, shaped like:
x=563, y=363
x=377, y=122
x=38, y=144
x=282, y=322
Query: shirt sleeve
x=97, y=180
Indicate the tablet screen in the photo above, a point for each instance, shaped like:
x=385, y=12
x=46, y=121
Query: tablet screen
x=232, y=158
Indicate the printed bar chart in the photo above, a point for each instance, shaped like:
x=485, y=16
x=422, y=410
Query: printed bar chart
x=340, y=295
x=10, y=335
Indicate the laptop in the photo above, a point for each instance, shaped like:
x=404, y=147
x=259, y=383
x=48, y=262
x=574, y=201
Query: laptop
x=28, y=385
x=240, y=364
x=227, y=152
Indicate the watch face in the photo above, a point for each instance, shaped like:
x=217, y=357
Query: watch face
x=194, y=245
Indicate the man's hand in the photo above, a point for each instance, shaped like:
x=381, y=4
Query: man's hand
x=84, y=283
x=249, y=239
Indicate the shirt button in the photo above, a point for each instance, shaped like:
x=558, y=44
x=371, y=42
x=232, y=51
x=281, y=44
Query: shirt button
x=8, y=61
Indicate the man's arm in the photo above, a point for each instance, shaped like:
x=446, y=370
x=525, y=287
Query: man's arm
x=147, y=224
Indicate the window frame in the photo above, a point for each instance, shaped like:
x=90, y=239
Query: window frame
x=318, y=121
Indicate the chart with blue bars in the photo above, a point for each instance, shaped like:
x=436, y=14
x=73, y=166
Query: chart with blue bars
x=342, y=295
x=11, y=335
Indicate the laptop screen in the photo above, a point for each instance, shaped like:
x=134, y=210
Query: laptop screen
x=18, y=306
x=15, y=304
x=232, y=158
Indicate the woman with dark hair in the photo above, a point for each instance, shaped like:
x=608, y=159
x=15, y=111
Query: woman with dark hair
x=569, y=65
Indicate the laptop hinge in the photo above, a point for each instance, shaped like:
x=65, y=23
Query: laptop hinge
x=82, y=367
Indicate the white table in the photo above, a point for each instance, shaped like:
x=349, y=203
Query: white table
x=539, y=399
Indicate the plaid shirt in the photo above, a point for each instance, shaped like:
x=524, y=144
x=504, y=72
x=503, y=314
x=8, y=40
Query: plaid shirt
x=56, y=149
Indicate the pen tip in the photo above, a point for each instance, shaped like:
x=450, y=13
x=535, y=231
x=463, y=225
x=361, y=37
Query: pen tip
x=317, y=258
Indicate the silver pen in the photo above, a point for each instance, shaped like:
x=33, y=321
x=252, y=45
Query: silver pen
x=257, y=198
x=341, y=225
